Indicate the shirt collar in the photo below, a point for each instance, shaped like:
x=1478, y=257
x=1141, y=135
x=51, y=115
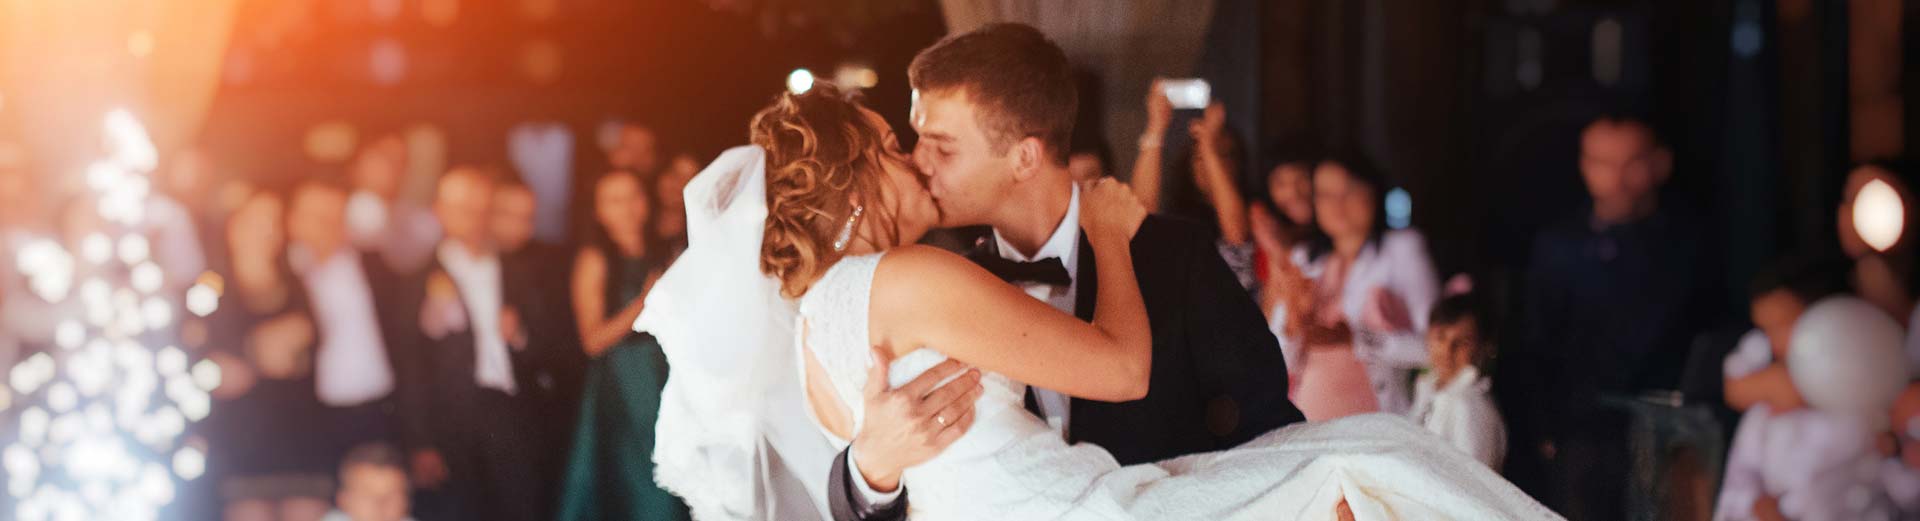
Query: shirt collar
x=1064, y=244
x=455, y=256
x=1464, y=378
x=304, y=261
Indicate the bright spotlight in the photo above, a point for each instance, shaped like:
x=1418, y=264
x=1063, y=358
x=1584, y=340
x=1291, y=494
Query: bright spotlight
x=1879, y=215
x=800, y=81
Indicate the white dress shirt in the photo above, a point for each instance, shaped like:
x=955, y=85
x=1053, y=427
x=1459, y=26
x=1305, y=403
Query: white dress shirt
x=1399, y=263
x=1064, y=245
x=351, y=367
x=1462, y=413
x=478, y=277
x=1819, y=466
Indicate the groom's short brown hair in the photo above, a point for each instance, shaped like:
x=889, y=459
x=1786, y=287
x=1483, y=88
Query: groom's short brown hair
x=1019, y=79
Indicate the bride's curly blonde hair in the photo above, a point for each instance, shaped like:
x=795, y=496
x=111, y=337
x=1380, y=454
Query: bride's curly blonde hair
x=823, y=159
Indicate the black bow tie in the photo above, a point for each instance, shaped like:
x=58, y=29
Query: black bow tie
x=1048, y=271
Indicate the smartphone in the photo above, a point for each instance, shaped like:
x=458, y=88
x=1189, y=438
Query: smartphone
x=1187, y=93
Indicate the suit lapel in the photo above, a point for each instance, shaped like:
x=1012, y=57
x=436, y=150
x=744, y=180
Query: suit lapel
x=1086, y=281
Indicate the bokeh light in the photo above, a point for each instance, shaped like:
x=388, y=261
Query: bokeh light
x=98, y=436
x=1879, y=215
x=800, y=81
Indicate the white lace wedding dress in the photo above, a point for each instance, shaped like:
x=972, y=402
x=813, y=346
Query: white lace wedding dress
x=1011, y=466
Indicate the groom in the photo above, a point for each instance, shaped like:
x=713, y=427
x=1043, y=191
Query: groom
x=995, y=108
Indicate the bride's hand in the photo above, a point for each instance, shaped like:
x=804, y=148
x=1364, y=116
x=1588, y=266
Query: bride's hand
x=1110, y=211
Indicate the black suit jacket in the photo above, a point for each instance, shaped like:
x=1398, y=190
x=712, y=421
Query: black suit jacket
x=443, y=390
x=1218, y=376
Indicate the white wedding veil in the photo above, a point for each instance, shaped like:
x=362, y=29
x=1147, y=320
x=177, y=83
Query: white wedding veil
x=732, y=439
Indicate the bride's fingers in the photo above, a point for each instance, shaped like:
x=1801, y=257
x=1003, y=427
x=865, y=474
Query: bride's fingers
x=926, y=381
x=947, y=403
x=954, y=429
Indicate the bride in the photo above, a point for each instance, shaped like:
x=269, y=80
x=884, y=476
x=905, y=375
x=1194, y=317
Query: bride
x=826, y=209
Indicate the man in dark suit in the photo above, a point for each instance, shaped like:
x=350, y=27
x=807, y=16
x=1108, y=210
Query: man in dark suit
x=995, y=110
x=483, y=434
x=537, y=274
x=361, y=358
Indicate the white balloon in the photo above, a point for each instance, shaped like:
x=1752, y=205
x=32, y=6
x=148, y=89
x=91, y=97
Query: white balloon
x=1846, y=358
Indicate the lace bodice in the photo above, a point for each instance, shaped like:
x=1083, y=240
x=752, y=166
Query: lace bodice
x=834, y=322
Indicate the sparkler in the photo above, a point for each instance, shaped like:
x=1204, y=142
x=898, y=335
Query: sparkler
x=100, y=435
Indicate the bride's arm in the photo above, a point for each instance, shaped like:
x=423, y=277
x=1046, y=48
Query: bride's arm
x=924, y=296
x=928, y=297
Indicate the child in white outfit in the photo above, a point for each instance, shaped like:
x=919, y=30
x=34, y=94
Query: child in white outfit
x=1451, y=399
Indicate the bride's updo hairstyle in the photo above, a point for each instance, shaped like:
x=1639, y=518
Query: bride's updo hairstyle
x=823, y=158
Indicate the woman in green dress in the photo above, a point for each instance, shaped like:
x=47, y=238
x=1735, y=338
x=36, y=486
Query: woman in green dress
x=610, y=472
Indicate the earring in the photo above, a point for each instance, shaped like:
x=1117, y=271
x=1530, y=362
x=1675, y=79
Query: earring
x=846, y=231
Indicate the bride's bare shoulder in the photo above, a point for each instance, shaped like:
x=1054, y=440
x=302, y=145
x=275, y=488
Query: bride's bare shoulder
x=918, y=275
x=915, y=264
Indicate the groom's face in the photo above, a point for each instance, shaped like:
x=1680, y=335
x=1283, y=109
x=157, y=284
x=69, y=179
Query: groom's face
x=965, y=172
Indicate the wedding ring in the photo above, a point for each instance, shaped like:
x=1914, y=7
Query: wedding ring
x=942, y=420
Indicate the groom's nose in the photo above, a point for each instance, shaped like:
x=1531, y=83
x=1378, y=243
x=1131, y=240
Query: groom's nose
x=921, y=162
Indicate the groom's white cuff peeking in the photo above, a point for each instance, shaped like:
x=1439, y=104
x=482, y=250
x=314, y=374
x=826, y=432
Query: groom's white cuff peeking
x=867, y=494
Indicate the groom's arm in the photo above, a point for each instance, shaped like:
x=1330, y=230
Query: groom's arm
x=1237, y=360
x=902, y=427
x=849, y=500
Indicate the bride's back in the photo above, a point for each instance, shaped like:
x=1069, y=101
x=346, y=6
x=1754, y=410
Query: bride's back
x=987, y=469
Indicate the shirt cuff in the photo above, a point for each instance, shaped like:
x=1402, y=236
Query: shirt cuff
x=867, y=493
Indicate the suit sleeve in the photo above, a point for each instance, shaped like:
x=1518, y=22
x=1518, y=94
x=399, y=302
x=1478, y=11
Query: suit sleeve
x=846, y=503
x=1234, y=353
x=399, y=300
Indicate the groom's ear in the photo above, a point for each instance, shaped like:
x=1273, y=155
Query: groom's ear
x=1027, y=156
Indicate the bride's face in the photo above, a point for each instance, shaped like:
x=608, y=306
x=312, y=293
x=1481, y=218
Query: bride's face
x=913, y=210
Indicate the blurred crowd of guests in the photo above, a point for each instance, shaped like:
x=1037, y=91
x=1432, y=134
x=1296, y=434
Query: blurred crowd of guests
x=1614, y=315
x=384, y=358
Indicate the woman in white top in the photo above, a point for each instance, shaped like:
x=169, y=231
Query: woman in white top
x=1358, y=306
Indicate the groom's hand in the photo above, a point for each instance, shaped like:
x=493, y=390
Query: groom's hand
x=907, y=426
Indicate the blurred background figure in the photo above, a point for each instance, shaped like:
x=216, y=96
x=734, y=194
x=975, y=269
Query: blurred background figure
x=1277, y=224
x=482, y=440
x=378, y=218
x=636, y=149
x=1649, y=195
x=1454, y=400
x=610, y=472
x=670, y=221
x=275, y=466
x=1614, y=295
x=1354, y=323
x=373, y=486
x=537, y=273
